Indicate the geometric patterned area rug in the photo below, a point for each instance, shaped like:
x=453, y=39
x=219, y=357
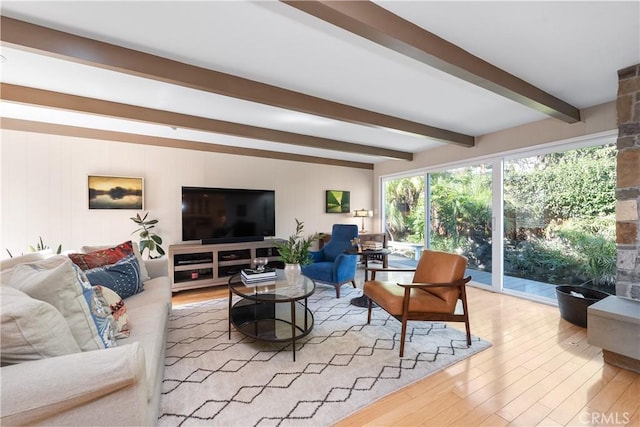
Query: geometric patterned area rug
x=342, y=366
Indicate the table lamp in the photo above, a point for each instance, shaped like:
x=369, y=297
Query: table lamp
x=362, y=213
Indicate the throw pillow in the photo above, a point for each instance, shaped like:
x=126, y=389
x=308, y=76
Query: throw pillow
x=9, y=264
x=62, y=284
x=122, y=277
x=117, y=308
x=31, y=329
x=144, y=273
x=143, y=267
x=102, y=257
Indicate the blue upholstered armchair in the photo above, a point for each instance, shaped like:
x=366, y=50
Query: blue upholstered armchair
x=330, y=264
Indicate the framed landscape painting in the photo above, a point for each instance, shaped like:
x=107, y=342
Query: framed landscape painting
x=338, y=201
x=115, y=192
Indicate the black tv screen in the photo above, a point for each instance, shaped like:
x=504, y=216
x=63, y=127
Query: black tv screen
x=224, y=215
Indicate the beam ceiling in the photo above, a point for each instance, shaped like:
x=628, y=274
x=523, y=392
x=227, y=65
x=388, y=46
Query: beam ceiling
x=23, y=35
x=45, y=98
x=389, y=30
x=81, y=132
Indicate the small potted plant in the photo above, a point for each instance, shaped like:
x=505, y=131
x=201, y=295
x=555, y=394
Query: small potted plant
x=148, y=240
x=295, y=252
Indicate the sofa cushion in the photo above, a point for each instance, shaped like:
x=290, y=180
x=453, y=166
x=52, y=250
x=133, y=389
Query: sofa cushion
x=31, y=329
x=144, y=273
x=148, y=327
x=123, y=277
x=117, y=308
x=62, y=284
x=155, y=290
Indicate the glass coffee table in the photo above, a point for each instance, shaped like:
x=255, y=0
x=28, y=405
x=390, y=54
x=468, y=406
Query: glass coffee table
x=273, y=310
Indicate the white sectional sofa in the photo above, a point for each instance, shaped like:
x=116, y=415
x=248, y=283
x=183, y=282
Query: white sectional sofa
x=118, y=386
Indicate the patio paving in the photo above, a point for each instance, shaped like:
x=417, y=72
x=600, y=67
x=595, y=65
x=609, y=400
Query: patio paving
x=515, y=284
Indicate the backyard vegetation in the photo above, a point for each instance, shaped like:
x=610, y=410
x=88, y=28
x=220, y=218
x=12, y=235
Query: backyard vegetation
x=559, y=215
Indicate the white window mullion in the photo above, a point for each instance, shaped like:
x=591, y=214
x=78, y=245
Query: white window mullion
x=497, y=226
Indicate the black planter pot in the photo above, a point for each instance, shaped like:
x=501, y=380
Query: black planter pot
x=573, y=309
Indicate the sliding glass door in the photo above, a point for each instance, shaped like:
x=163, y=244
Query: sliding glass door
x=525, y=222
x=460, y=216
x=404, y=217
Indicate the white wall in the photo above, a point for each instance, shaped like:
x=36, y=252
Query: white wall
x=44, y=188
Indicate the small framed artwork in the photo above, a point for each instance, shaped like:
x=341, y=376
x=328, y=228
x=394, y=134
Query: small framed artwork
x=115, y=192
x=338, y=201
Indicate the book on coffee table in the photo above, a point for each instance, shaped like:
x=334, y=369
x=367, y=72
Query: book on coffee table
x=250, y=274
x=260, y=282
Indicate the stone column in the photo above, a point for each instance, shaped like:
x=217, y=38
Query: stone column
x=628, y=183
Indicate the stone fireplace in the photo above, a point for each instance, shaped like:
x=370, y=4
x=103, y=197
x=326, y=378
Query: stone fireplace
x=614, y=322
x=628, y=183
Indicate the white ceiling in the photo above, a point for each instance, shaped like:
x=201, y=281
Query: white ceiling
x=571, y=50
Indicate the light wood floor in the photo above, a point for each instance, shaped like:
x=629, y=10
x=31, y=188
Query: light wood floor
x=540, y=371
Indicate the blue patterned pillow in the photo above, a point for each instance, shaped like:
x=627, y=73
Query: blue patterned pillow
x=122, y=277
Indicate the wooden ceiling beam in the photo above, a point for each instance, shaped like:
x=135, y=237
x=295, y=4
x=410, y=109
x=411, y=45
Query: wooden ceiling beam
x=108, y=135
x=46, y=41
x=380, y=26
x=63, y=101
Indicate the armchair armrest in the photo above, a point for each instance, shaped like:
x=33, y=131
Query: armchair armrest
x=454, y=284
x=77, y=389
x=344, y=267
x=317, y=256
x=375, y=270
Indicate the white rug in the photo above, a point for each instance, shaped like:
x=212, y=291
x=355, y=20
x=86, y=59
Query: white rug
x=342, y=366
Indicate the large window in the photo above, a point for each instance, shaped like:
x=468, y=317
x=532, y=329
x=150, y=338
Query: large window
x=559, y=218
x=526, y=223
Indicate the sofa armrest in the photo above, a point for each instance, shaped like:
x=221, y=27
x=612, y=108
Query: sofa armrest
x=157, y=267
x=102, y=387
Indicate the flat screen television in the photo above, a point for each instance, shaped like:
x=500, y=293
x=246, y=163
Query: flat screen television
x=227, y=215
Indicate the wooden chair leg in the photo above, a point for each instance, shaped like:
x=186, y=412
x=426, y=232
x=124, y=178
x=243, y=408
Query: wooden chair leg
x=463, y=296
x=353, y=282
x=369, y=311
x=466, y=323
x=338, y=291
x=405, y=318
x=402, y=335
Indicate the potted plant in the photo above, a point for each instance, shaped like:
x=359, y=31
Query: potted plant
x=148, y=240
x=40, y=246
x=295, y=251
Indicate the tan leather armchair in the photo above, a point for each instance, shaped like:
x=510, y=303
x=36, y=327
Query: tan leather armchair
x=438, y=283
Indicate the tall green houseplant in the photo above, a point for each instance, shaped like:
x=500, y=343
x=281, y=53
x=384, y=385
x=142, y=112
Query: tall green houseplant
x=295, y=250
x=149, y=240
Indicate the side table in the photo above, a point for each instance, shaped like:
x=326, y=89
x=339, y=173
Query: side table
x=363, y=301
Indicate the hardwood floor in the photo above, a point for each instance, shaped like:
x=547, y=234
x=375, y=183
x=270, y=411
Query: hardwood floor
x=540, y=371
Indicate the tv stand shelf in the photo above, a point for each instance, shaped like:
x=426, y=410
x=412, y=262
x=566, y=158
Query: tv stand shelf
x=194, y=265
